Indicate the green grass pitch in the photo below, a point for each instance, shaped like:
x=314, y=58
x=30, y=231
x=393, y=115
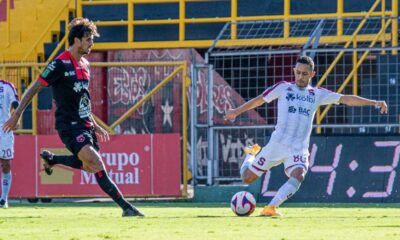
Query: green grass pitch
x=199, y=221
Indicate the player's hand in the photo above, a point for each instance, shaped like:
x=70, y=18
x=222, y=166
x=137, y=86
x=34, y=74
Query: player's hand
x=102, y=134
x=11, y=124
x=230, y=115
x=382, y=106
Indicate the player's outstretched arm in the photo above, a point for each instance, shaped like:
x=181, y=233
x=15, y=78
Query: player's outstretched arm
x=253, y=103
x=352, y=100
x=12, y=122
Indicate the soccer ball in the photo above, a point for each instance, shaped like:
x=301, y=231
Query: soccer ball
x=243, y=204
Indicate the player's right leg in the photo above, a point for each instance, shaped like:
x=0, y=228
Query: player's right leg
x=6, y=156
x=257, y=162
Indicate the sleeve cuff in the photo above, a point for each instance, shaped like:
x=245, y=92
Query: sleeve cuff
x=43, y=81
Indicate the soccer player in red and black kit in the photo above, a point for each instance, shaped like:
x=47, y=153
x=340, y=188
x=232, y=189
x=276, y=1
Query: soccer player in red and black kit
x=68, y=75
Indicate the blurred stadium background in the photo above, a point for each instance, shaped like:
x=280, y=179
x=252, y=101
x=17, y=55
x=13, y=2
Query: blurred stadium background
x=164, y=72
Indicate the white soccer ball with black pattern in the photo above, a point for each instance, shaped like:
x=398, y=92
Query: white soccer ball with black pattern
x=243, y=204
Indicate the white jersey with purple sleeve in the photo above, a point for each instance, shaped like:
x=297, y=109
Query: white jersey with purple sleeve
x=296, y=111
x=8, y=95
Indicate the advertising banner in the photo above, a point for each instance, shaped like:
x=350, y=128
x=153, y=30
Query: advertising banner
x=141, y=165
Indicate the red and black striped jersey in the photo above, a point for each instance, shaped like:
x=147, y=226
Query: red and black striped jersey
x=69, y=81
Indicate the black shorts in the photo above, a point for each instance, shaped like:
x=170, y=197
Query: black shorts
x=74, y=140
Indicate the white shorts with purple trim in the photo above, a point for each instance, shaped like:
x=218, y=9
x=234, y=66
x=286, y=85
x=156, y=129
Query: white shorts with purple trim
x=273, y=154
x=6, y=145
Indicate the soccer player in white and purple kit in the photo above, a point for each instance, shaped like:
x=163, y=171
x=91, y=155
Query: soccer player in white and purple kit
x=297, y=103
x=8, y=101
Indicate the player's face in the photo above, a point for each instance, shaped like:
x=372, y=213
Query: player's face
x=303, y=74
x=86, y=44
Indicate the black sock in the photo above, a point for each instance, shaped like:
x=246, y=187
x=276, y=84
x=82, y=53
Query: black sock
x=111, y=189
x=67, y=160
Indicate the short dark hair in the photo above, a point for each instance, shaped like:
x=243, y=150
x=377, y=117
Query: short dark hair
x=306, y=60
x=79, y=28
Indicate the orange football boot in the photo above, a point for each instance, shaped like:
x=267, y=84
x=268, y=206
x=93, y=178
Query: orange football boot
x=253, y=150
x=270, y=211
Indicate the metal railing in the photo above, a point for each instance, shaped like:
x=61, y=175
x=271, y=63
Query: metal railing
x=130, y=22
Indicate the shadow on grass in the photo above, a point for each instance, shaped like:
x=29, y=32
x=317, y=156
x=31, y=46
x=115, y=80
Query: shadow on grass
x=203, y=205
x=387, y=226
x=22, y=217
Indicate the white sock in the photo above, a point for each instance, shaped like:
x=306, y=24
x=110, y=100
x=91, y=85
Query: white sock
x=246, y=162
x=285, y=192
x=5, y=185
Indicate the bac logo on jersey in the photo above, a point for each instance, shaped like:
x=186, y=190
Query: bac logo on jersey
x=80, y=138
x=304, y=111
x=70, y=73
x=1, y=89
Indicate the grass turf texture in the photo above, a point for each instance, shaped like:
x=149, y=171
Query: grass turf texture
x=199, y=221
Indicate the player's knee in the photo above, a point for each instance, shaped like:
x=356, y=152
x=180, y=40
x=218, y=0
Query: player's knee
x=5, y=166
x=248, y=176
x=94, y=165
x=89, y=168
x=299, y=174
x=91, y=159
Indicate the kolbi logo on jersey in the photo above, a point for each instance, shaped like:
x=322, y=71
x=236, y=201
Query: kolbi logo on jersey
x=292, y=97
x=78, y=86
x=307, y=98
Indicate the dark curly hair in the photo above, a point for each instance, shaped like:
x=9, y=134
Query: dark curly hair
x=79, y=28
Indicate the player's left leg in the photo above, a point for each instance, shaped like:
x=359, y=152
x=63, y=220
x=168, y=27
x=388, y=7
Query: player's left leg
x=5, y=182
x=93, y=163
x=295, y=169
x=290, y=187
